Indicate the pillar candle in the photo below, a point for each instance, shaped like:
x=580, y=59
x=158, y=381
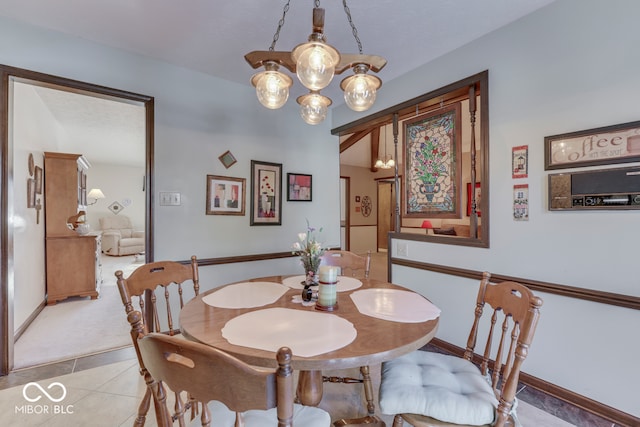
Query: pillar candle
x=327, y=294
x=328, y=274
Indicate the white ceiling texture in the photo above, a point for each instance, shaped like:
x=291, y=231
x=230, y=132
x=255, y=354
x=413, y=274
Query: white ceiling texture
x=212, y=36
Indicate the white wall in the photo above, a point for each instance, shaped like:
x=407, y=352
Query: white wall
x=197, y=118
x=34, y=132
x=570, y=66
x=122, y=184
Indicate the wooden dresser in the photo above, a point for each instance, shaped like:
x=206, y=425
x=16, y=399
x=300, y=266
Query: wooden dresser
x=72, y=261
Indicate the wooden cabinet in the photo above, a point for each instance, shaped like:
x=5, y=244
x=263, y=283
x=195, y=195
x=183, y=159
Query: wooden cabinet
x=72, y=261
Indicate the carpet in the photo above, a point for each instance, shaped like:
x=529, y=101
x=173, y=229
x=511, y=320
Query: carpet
x=78, y=326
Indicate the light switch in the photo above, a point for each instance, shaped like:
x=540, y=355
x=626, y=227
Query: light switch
x=169, y=199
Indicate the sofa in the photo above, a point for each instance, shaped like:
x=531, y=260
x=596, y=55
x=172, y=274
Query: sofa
x=119, y=238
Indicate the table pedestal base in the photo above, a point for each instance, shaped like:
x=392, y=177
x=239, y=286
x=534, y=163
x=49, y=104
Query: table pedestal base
x=309, y=391
x=369, y=421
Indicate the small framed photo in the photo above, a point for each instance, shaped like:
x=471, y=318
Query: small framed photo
x=38, y=178
x=298, y=187
x=266, y=193
x=227, y=159
x=520, y=161
x=357, y=199
x=225, y=195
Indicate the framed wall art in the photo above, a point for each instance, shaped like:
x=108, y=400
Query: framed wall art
x=38, y=178
x=266, y=193
x=225, y=195
x=299, y=187
x=432, y=169
x=31, y=193
x=600, y=146
x=520, y=161
x=227, y=159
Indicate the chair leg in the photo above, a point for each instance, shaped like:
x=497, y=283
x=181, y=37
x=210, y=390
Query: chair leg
x=398, y=421
x=368, y=389
x=143, y=409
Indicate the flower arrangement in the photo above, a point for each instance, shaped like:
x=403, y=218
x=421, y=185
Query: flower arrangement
x=310, y=252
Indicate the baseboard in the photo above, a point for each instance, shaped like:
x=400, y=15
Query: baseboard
x=29, y=320
x=600, y=409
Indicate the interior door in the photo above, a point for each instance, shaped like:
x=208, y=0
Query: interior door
x=386, y=207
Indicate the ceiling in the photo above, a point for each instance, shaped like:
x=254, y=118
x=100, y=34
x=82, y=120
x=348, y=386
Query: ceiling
x=212, y=37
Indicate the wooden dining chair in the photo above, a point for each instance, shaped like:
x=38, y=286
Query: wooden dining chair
x=435, y=389
x=351, y=264
x=139, y=292
x=237, y=393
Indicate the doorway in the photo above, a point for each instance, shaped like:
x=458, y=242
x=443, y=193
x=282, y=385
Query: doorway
x=13, y=194
x=386, y=208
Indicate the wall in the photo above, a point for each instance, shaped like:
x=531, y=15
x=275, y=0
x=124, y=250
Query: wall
x=121, y=184
x=197, y=118
x=34, y=131
x=567, y=67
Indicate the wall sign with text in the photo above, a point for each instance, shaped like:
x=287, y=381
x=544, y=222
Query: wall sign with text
x=599, y=146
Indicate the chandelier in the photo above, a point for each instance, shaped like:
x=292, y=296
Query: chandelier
x=315, y=63
x=387, y=161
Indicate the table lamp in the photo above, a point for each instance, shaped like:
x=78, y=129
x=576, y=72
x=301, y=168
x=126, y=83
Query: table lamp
x=426, y=224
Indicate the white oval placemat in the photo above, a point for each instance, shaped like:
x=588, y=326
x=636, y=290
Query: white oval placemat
x=246, y=295
x=345, y=283
x=306, y=333
x=395, y=305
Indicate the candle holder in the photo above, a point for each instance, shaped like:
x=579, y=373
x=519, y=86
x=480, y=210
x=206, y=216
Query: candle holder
x=327, y=289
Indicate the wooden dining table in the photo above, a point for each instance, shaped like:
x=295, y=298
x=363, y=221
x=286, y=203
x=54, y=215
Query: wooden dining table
x=377, y=340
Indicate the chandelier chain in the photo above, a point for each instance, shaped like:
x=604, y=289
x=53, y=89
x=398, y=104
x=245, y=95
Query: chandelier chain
x=354, y=30
x=276, y=36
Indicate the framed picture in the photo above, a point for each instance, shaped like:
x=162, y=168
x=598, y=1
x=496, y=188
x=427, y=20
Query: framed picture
x=38, y=178
x=31, y=193
x=298, y=187
x=520, y=161
x=521, y=202
x=266, y=193
x=227, y=159
x=600, y=146
x=477, y=194
x=432, y=169
x=225, y=195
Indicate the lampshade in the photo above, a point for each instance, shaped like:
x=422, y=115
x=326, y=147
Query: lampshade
x=426, y=224
x=360, y=90
x=315, y=64
x=272, y=86
x=313, y=107
x=95, y=193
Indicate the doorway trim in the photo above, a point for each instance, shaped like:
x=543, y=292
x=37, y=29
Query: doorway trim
x=7, y=76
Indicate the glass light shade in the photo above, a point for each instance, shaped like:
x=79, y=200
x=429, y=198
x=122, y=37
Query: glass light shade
x=360, y=90
x=272, y=88
x=315, y=64
x=313, y=107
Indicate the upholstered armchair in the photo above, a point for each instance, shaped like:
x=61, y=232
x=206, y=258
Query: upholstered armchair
x=118, y=237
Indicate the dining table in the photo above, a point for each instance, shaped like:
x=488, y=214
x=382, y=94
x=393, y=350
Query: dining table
x=373, y=322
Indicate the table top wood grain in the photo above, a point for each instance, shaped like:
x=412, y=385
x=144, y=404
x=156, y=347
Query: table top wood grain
x=377, y=340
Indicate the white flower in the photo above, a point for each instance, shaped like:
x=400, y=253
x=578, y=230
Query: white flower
x=302, y=236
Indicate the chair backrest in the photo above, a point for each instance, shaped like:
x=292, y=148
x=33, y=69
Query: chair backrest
x=349, y=262
x=149, y=277
x=515, y=309
x=209, y=374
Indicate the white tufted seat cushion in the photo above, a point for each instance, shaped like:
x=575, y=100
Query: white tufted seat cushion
x=439, y=386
